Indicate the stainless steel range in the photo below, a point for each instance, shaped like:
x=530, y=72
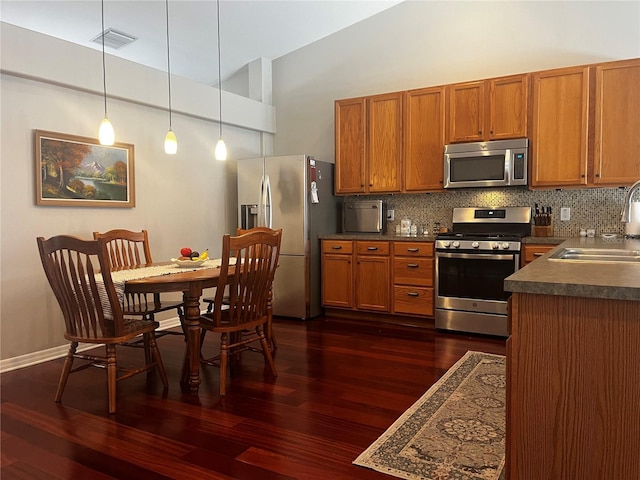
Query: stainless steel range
x=472, y=262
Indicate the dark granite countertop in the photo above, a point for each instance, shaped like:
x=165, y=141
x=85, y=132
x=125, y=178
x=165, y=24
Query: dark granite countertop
x=544, y=240
x=577, y=278
x=377, y=236
x=423, y=238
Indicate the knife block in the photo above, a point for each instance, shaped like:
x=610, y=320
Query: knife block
x=543, y=230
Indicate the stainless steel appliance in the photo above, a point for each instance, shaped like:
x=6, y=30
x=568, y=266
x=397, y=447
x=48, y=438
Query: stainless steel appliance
x=294, y=193
x=498, y=163
x=471, y=264
x=364, y=216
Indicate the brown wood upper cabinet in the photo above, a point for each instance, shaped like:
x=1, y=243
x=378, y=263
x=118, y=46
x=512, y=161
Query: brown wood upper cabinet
x=350, y=144
x=369, y=144
x=617, y=123
x=424, y=139
x=492, y=109
x=559, y=134
x=585, y=123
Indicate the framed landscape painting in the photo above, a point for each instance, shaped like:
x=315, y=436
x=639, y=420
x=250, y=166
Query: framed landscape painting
x=79, y=172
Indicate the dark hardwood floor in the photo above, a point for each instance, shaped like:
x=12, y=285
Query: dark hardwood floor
x=340, y=385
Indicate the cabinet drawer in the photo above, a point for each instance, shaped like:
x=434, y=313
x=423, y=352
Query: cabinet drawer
x=372, y=248
x=413, y=300
x=531, y=252
x=413, y=249
x=413, y=271
x=337, y=246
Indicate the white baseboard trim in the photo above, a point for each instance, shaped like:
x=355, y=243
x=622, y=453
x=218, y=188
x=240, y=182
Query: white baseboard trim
x=41, y=356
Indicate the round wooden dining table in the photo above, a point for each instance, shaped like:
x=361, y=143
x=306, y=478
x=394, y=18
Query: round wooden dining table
x=191, y=283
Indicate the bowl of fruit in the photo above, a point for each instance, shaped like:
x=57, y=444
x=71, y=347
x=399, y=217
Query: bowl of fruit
x=190, y=258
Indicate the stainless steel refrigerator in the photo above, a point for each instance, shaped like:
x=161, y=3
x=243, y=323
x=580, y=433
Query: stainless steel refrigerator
x=294, y=193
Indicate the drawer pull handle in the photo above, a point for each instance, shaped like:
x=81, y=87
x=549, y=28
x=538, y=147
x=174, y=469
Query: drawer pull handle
x=413, y=250
x=412, y=265
x=337, y=247
x=413, y=294
x=372, y=248
x=538, y=254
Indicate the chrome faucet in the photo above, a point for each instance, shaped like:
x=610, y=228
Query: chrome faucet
x=626, y=210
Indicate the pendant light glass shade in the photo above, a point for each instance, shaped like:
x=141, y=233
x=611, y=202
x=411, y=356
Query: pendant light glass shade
x=170, y=143
x=221, y=150
x=106, y=135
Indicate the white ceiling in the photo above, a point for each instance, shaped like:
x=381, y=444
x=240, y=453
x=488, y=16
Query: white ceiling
x=249, y=29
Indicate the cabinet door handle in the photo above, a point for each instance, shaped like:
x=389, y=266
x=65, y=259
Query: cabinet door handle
x=372, y=248
x=413, y=294
x=413, y=250
x=412, y=265
x=337, y=247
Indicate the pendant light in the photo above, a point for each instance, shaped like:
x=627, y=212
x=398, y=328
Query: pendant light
x=221, y=148
x=106, y=135
x=170, y=141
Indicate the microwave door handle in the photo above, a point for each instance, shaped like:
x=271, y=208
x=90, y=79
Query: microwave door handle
x=267, y=203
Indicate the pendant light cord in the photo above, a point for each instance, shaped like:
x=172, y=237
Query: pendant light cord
x=219, y=73
x=104, y=70
x=168, y=61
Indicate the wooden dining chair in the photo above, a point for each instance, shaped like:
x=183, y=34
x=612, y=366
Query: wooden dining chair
x=92, y=311
x=249, y=263
x=271, y=338
x=130, y=249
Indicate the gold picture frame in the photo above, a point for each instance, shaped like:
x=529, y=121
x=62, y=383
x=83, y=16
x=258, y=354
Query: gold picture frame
x=74, y=171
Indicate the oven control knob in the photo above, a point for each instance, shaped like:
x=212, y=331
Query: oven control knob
x=446, y=244
x=475, y=244
x=495, y=245
x=456, y=244
x=505, y=245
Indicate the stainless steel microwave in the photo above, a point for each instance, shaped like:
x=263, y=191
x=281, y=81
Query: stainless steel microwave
x=364, y=216
x=498, y=163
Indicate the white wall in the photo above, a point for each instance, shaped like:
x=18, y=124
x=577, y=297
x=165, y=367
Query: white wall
x=424, y=43
x=184, y=200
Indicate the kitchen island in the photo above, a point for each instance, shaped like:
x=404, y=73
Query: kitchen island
x=573, y=367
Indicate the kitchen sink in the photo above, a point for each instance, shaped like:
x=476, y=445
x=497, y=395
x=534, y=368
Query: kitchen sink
x=597, y=255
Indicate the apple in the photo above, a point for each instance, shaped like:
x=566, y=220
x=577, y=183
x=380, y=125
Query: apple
x=185, y=252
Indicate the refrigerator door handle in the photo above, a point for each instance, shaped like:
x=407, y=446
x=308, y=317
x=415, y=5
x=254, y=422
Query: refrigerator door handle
x=268, y=199
x=261, y=204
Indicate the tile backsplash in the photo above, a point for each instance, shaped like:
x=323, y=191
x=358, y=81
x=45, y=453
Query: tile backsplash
x=597, y=208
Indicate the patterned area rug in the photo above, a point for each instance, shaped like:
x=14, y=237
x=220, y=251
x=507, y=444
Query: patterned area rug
x=455, y=431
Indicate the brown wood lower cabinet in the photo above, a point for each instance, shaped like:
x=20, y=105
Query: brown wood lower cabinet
x=390, y=277
x=531, y=251
x=355, y=275
x=337, y=273
x=573, y=384
x=413, y=278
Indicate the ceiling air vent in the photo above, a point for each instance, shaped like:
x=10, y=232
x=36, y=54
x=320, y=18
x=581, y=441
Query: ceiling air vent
x=114, y=38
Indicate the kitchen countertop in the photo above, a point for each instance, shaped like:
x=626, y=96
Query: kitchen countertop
x=619, y=281
x=423, y=238
x=377, y=236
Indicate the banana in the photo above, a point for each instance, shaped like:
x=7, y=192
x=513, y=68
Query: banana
x=204, y=255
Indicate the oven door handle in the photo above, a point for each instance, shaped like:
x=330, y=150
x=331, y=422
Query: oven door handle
x=485, y=256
